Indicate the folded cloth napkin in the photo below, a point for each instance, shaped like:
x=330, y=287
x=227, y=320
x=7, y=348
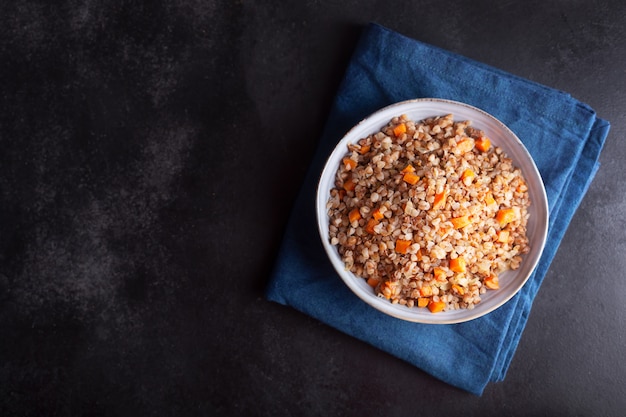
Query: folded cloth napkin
x=563, y=135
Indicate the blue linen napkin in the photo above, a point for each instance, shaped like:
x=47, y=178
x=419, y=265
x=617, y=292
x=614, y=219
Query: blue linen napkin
x=564, y=136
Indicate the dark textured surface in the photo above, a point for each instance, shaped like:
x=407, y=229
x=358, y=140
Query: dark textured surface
x=149, y=156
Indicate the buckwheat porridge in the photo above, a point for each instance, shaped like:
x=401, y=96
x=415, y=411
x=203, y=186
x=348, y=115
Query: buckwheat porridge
x=429, y=213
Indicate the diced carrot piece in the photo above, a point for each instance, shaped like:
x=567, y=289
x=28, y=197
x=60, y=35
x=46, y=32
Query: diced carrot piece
x=389, y=289
x=377, y=214
x=372, y=282
x=426, y=291
x=468, y=176
x=468, y=173
x=369, y=227
x=483, y=143
x=460, y=222
x=365, y=149
x=349, y=185
x=402, y=245
x=349, y=163
x=440, y=199
x=492, y=282
x=489, y=200
x=399, y=130
x=439, y=273
x=354, y=215
x=419, y=254
x=411, y=178
x=463, y=146
x=436, y=306
x=408, y=168
x=458, y=289
x=422, y=302
x=458, y=264
x=506, y=216
x=503, y=236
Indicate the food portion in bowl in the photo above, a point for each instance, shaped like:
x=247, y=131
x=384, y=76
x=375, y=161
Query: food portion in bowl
x=429, y=213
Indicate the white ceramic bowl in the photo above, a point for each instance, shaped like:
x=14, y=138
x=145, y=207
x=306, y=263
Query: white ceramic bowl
x=510, y=281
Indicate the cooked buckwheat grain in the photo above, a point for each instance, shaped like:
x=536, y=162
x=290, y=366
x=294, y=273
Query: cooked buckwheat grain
x=439, y=214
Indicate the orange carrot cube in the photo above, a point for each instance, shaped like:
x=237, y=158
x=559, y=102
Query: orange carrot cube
x=436, y=306
x=440, y=200
x=399, y=130
x=354, y=215
x=349, y=185
x=458, y=289
x=439, y=273
x=369, y=227
x=372, y=282
x=460, y=222
x=402, y=245
x=349, y=163
x=468, y=176
x=422, y=302
x=411, y=178
x=458, y=264
x=506, y=216
x=426, y=291
x=483, y=143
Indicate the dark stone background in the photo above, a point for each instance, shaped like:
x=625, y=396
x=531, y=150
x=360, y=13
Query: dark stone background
x=150, y=153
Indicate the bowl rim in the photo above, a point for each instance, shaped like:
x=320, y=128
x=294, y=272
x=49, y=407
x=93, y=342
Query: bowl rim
x=406, y=313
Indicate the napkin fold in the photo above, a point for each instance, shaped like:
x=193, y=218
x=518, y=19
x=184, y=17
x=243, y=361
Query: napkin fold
x=563, y=135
